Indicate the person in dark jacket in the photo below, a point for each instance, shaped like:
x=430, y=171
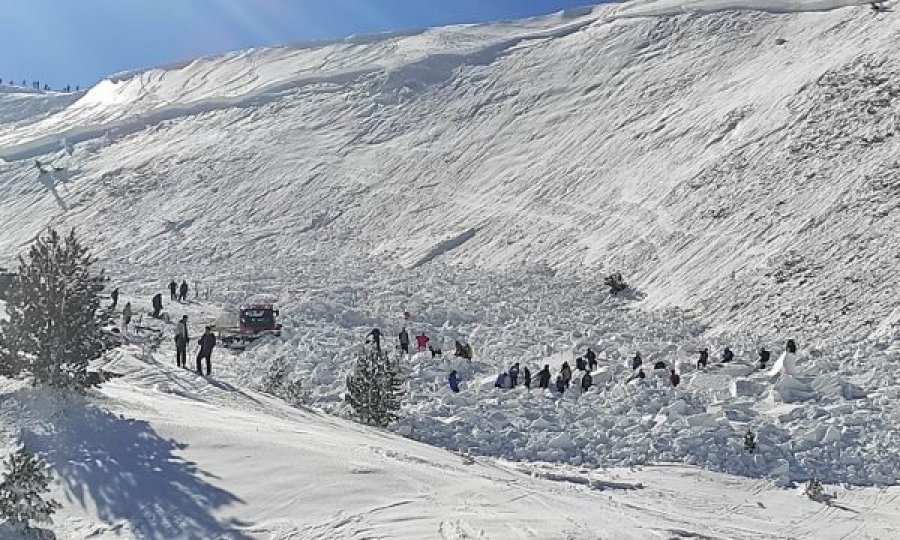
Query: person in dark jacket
x=659, y=365
x=591, y=358
x=453, y=381
x=375, y=334
x=207, y=342
x=181, y=342
x=640, y=374
x=703, y=360
x=791, y=346
x=637, y=361
x=580, y=364
x=114, y=296
x=462, y=350
x=764, y=357
x=526, y=377
x=544, y=377
x=674, y=378
x=182, y=292
x=157, y=305
x=586, y=381
x=560, y=384
x=404, y=340
x=173, y=290
x=514, y=375
x=727, y=355
x=566, y=373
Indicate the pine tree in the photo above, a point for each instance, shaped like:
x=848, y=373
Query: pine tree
x=54, y=329
x=22, y=490
x=374, y=389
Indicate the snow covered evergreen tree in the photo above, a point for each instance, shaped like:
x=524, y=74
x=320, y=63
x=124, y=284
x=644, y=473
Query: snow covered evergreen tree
x=22, y=491
x=374, y=389
x=54, y=329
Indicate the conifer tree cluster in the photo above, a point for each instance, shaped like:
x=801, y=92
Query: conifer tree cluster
x=375, y=389
x=54, y=326
x=23, y=489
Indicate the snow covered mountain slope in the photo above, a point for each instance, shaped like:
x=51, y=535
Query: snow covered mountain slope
x=740, y=163
x=162, y=453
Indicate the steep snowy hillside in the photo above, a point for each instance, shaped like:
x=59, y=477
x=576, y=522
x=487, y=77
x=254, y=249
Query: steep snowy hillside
x=739, y=163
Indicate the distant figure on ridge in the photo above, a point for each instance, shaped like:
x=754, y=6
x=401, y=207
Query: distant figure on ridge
x=173, y=291
x=157, y=305
x=183, y=292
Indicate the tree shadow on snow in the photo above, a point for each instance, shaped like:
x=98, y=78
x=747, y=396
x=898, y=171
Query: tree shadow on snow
x=132, y=474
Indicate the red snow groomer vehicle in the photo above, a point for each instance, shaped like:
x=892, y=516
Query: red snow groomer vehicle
x=254, y=322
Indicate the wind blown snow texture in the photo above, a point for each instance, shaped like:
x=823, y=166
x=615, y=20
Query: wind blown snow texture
x=738, y=167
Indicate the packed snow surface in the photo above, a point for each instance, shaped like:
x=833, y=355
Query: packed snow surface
x=736, y=162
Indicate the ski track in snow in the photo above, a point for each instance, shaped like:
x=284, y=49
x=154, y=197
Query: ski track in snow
x=734, y=160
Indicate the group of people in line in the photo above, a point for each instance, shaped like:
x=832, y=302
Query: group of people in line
x=588, y=364
x=463, y=350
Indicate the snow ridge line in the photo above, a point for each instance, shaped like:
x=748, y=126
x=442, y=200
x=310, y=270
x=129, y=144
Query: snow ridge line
x=267, y=93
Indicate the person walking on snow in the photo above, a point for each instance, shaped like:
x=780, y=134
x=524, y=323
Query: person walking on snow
x=764, y=357
x=526, y=377
x=560, y=384
x=404, y=340
x=791, y=346
x=637, y=361
x=586, y=381
x=422, y=342
x=126, y=315
x=674, y=378
x=114, y=296
x=566, y=373
x=157, y=305
x=181, y=342
x=727, y=355
x=207, y=342
x=173, y=290
x=453, y=381
x=591, y=358
x=182, y=292
x=704, y=359
x=375, y=334
x=514, y=375
x=544, y=377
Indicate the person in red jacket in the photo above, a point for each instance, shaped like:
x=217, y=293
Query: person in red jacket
x=422, y=341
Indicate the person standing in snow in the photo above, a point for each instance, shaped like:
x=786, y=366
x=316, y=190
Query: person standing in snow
x=764, y=357
x=514, y=375
x=502, y=380
x=182, y=292
x=157, y=305
x=637, y=361
x=375, y=334
x=453, y=381
x=566, y=373
x=544, y=377
x=126, y=315
x=404, y=341
x=727, y=355
x=560, y=384
x=674, y=378
x=791, y=346
x=114, y=296
x=181, y=342
x=422, y=342
x=207, y=342
x=580, y=364
x=526, y=377
x=704, y=358
x=586, y=381
x=591, y=358
x=173, y=291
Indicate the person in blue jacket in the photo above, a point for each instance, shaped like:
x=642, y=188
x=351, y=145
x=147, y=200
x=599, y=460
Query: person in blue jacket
x=453, y=380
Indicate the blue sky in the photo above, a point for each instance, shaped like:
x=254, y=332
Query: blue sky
x=81, y=41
